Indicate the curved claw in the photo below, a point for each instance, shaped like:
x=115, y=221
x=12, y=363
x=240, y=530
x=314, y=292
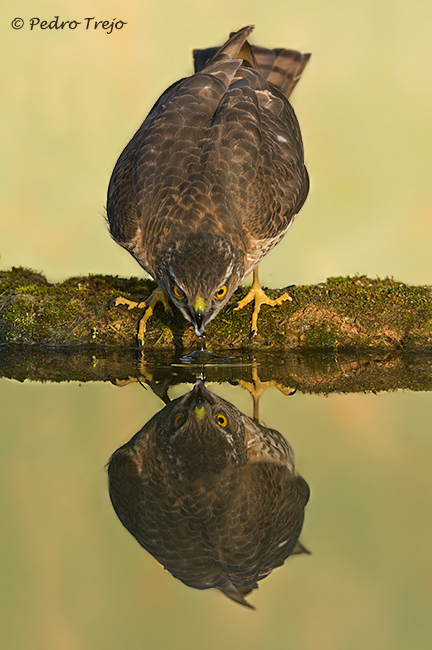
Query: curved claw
x=231, y=307
x=169, y=312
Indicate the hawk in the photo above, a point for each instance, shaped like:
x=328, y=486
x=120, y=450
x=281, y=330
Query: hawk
x=212, y=180
x=213, y=495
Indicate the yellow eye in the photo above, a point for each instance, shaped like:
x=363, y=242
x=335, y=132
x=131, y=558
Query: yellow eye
x=221, y=420
x=221, y=292
x=178, y=292
x=179, y=419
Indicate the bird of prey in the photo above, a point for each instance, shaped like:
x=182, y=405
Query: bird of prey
x=212, y=180
x=210, y=493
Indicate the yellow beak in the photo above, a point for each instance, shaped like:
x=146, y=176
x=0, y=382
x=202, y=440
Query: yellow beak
x=199, y=304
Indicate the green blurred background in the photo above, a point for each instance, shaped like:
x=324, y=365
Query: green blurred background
x=72, y=99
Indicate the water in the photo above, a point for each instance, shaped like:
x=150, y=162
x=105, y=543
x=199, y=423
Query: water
x=74, y=577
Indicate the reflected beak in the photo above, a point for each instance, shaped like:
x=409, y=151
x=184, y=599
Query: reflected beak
x=200, y=412
x=199, y=394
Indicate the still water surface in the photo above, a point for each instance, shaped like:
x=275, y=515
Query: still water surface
x=74, y=577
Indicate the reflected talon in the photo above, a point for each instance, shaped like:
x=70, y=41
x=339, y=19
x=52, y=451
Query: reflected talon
x=256, y=388
x=123, y=382
x=160, y=388
x=257, y=294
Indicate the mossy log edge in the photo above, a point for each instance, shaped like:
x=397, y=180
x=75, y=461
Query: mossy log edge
x=343, y=313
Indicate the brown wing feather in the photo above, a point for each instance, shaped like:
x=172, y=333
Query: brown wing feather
x=220, y=150
x=122, y=209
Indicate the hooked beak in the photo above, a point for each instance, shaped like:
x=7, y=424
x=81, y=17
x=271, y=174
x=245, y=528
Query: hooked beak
x=199, y=394
x=198, y=316
x=200, y=397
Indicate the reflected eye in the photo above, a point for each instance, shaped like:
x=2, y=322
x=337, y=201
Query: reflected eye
x=221, y=420
x=179, y=419
x=178, y=292
x=221, y=292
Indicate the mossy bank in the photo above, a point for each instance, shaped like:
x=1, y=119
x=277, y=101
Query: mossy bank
x=343, y=313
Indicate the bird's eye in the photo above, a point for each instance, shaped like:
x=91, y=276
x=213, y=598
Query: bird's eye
x=221, y=420
x=178, y=292
x=220, y=293
x=179, y=419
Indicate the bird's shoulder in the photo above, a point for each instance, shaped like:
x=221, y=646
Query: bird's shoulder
x=222, y=142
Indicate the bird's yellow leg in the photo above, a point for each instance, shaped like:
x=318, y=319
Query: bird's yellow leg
x=256, y=293
x=256, y=388
x=145, y=376
x=158, y=295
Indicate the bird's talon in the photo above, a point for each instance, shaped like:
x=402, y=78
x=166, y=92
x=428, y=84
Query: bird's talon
x=231, y=307
x=251, y=336
x=290, y=293
x=170, y=313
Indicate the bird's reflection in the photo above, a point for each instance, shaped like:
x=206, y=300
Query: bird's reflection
x=210, y=493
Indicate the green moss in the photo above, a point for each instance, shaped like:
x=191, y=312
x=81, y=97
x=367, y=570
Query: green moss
x=342, y=313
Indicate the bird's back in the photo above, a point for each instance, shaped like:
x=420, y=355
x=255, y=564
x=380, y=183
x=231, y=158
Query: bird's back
x=220, y=152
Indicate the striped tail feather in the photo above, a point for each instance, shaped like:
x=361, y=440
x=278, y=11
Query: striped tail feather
x=280, y=67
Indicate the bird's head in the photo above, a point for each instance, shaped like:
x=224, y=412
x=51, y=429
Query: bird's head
x=200, y=433
x=200, y=273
